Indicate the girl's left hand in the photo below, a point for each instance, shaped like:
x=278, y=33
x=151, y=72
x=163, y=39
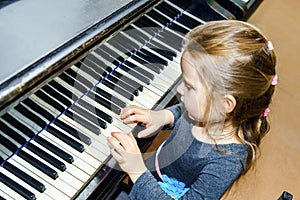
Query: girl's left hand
x=125, y=150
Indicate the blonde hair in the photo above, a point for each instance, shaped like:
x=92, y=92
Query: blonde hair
x=232, y=57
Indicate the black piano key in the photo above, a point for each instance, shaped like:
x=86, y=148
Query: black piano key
x=54, y=149
x=76, y=145
x=162, y=50
x=38, y=164
x=114, y=80
x=106, y=52
x=118, y=89
x=156, y=58
x=60, y=98
x=73, y=83
x=79, y=78
x=22, y=141
x=83, y=65
x=49, y=100
x=12, y=134
x=21, y=127
x=72, y=131
x=105, y=103
x=95, y=110
x=89, y=116
x=137, y=75
x=149, y=61
x=124, y=85
x=147, y=25
x=75, y=116
x=8, y=144
x=17, y=187
x=100, y=63
x=139, y=58
x=110, y=97
x=105, y=82
x=63, y=90
x=110, y=55
x=27, y=113
x=168, y=10
x=47, y=157
x=138, y=69
x=15, y=123
x=34, y=106
x=36, y=150
x=128, y=80
x=25, y=177
x=95, y=63
x=158, y=47
x=163, y=20
x=59, y=123
x=120, y=61
x=84, y=122
x=188, y=21
x=166, y=36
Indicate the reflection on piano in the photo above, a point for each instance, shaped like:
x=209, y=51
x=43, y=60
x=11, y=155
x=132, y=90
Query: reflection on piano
x=54, y=122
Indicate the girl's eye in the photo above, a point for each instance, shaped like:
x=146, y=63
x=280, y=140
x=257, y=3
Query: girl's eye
x=188, y=87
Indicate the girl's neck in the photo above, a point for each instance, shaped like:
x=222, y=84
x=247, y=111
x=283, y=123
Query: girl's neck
x=227, y=135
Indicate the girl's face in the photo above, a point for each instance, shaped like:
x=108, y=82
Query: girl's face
x=192, y=90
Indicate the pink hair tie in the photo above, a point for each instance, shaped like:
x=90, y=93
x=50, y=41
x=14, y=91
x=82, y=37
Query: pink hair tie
x=266, y=112
x=274, y=80
x=270, y=46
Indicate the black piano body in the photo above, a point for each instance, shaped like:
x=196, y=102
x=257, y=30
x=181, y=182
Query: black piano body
x=67, y=68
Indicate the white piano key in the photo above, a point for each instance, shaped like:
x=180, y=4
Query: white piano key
x=9, y=193
x=94, y=148
x=37, y=194
x=185, y=12
x=71, y=176
x=71, y=191
x=114, y=92
x=51, y=186
x=155, y=39
x=3, y=193
x=76, y=155
x=150, y=87
x=171, y=19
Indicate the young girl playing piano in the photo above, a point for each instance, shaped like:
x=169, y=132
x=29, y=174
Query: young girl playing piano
x=229, y=77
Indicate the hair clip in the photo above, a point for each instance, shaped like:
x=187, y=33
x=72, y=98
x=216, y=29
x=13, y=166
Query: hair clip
x=270, y=46
x=274, y=80
x=266, y=112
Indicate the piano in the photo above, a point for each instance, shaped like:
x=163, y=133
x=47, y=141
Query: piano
x=67, y=69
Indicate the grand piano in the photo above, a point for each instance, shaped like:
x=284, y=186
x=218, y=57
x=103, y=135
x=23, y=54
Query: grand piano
x=68, y=67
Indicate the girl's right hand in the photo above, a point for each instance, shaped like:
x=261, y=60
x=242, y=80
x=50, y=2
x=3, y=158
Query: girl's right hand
x=154, y=120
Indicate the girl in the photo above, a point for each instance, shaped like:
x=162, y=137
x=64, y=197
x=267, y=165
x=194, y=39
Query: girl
x=228, y=70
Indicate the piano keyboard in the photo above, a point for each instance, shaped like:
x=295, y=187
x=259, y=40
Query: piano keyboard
x=54, y=141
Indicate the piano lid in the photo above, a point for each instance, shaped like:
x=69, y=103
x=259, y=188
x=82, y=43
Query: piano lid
x=30, y=30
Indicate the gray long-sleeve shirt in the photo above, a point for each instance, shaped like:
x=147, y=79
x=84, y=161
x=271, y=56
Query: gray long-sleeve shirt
x=206, y=170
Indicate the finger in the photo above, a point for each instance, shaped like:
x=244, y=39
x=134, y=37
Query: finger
x=144, y=133
x=125, y=140
x=114, y=143
x=131, y=110
x=117, y=156
x=136, y=118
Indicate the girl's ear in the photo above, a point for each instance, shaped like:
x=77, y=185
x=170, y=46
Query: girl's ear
x=230, y=103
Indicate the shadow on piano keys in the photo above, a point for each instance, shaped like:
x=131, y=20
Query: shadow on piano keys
x=53, y=141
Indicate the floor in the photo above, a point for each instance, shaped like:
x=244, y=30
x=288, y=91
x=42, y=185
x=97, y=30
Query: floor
x=278, y=168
